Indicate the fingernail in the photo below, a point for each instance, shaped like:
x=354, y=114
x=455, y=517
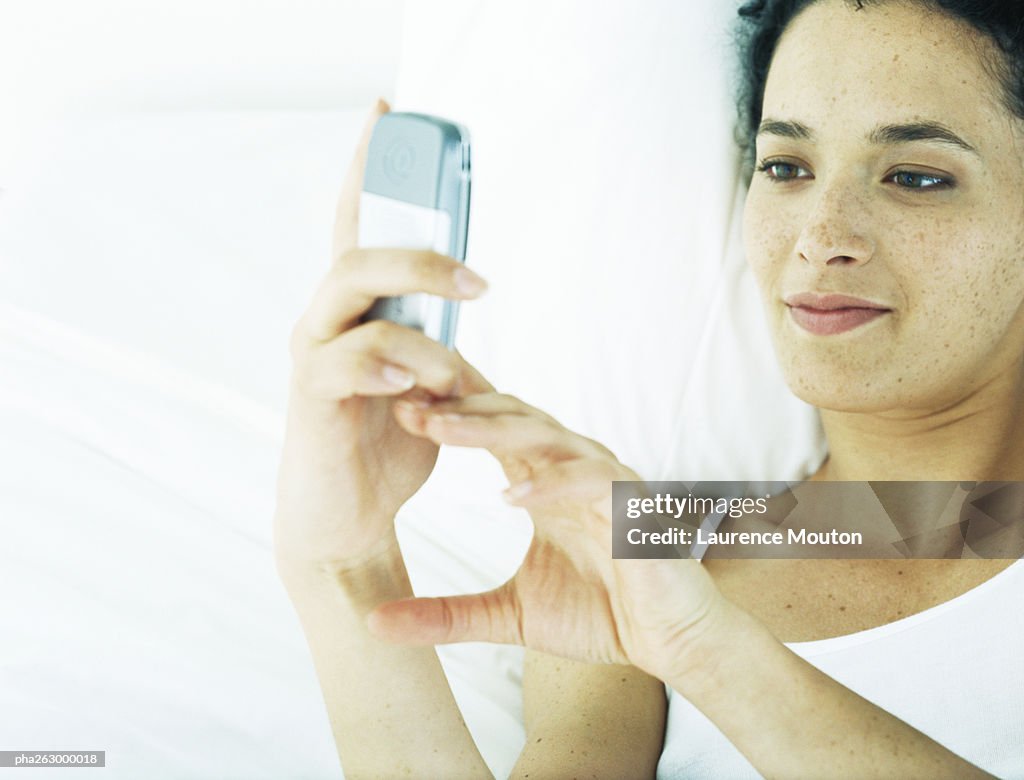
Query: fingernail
x=382, y=106
x=468, y=283
x=398, y=377
x=516, y=492
x=452, y=417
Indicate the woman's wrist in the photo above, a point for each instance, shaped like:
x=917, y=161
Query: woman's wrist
x=379, y=575
x=730, y=636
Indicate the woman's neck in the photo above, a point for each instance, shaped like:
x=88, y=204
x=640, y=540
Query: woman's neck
x=977, y=439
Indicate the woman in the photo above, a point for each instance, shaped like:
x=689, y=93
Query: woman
x=890, y=169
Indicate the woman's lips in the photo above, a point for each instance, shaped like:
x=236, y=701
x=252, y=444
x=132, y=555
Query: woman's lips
x=826, y=315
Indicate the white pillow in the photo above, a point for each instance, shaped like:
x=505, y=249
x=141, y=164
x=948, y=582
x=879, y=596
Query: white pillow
x=605, y=214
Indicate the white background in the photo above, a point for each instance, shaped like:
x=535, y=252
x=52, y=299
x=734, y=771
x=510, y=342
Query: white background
x=62, y=56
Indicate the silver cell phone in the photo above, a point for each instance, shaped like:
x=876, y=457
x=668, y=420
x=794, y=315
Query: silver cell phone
x=416, y=196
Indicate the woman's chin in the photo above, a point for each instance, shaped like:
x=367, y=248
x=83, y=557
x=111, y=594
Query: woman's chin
x=833, y=394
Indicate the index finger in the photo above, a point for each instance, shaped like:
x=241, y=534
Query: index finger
x=346, y=215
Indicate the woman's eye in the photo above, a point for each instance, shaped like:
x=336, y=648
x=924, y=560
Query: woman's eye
x=919, y=181
x=779, y=170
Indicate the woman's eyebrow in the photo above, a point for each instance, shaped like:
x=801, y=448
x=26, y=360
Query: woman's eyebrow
x=883, y=134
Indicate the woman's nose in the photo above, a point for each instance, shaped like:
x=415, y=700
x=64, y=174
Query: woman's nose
x=831, y=235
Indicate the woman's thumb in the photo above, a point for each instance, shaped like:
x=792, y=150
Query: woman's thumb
x=481, y=617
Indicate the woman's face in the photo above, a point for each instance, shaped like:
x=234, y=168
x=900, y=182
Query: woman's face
x=871, y=191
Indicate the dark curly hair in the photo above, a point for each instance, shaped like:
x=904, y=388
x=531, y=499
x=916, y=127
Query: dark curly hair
x=762, y=22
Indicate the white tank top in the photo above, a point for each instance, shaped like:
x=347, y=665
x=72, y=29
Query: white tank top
x=954, y=672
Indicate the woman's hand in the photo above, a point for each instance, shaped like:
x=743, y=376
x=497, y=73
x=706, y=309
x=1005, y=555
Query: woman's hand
x=346, y=465
x=569, y=597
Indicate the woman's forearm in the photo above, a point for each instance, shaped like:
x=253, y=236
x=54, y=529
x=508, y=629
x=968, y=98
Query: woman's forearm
x=589, y=720
x=391, y=709
x=790, y=719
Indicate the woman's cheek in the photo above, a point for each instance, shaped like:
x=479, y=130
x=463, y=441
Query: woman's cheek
x=985, y=291
x=969, y=308
x=765, y=242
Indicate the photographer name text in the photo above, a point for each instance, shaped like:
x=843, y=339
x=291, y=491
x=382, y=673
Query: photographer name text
x=794, y=536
